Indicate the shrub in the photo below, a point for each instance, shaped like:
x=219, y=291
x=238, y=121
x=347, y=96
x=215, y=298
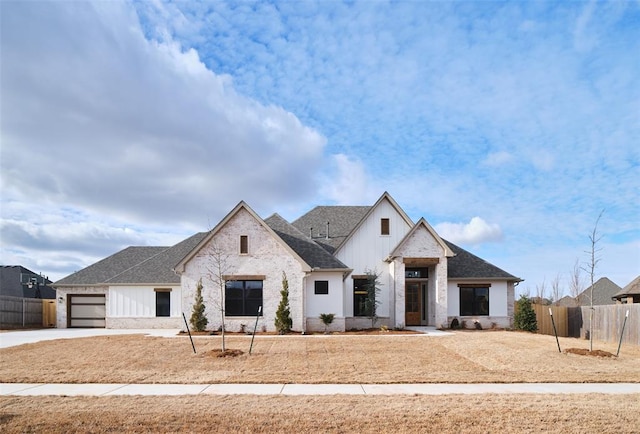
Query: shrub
x=525, y=316
x=327, y=319
x=283, y=321
x=198, y=319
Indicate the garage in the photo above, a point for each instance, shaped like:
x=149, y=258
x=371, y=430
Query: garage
x=86, y=310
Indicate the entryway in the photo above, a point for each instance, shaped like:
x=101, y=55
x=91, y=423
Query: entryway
x=416, y=302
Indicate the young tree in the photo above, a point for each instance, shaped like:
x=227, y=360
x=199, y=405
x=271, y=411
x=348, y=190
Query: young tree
x=217, y=266
x=327, y=319
x=525, y=316
x=541, y=292
x=372, y=302
x=198, y=318
x=283, y=314
x=590, y=267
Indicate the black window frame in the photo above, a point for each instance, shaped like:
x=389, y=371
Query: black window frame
x=360, y=294
x=163, y=303
x=241, y=298
x=321, y=287
x=474, y=300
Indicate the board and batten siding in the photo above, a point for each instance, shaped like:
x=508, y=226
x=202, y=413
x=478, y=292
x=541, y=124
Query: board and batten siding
x=333, y=302
x=367, y=249
x=140, y=301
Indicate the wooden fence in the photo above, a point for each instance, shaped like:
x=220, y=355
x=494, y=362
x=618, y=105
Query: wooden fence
x=27, y=312
x=607, y=322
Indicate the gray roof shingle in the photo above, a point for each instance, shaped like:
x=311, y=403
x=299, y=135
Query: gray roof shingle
x=633, y=288
x=603, y=292
x=135, y=265
x=314, y=255
x=342, y=220
x=465, y=265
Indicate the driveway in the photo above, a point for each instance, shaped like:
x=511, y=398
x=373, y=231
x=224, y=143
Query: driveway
x=20, y=337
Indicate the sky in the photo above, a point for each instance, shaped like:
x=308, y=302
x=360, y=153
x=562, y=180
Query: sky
x=509, y=126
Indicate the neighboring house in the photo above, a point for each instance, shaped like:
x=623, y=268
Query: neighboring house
x=325, y=255
x=603, y=291
x=630, y=293
x=18, y=281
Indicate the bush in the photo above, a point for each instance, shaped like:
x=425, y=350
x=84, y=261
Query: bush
x=525, y=316
x=198, y=319
x=283, y=321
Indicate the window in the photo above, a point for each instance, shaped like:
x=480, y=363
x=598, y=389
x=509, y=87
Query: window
x=384, y=226
x=163, y=302
x=243, y=297
x=244, y=244
x=416, y=273
x=360, y=297
x=474, y=300
x=321, y=287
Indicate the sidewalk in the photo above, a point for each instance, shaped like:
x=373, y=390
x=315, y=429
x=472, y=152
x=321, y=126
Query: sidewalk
x=26, y=389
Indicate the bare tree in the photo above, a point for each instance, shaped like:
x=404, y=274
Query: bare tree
x=556, y=292
x=575, y=284
x=541, y=291
x=590, y=267
x=217, y=265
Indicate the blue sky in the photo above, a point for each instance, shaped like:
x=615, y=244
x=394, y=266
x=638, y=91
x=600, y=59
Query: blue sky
x=509, y=126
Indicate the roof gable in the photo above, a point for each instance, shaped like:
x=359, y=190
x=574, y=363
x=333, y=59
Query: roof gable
x=385, y=197
x=465, y=265
x=603, y=292
x=180, y=266
x=633, y=288
x=314, y=255
x=422, y=223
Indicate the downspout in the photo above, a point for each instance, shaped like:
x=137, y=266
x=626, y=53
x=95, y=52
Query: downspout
x=304, y=303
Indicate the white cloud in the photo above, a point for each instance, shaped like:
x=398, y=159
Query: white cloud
x=348, y=184
x=477, y=231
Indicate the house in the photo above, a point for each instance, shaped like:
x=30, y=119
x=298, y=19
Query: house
x=326, y=255
x=630, y=293
x=19, y=281
x=603, y=291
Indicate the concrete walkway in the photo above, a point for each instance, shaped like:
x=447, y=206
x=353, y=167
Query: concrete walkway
x=24, y=389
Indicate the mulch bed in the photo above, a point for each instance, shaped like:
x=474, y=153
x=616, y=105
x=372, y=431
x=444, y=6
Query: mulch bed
x=225, y=353
x=585, y=352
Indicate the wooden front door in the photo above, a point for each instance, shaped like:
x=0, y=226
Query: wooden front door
x=413, y=301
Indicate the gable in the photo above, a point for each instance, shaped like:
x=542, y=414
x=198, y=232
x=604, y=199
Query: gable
x=242, y=220
x=422, y=241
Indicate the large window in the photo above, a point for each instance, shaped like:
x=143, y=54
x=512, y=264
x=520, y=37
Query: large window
x=243, y=297
x=474, y=300
x=360, y=297
x=163, y=302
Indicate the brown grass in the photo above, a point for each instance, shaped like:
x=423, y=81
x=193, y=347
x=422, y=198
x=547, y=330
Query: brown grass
x=331, y=414
x=464, y=357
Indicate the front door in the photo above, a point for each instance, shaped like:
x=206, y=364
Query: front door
x=413, y=301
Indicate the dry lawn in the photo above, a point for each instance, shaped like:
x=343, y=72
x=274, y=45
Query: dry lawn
x=464, y=357
x=331, y=414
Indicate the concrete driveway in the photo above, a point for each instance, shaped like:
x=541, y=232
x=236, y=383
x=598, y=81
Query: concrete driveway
x=21, y=337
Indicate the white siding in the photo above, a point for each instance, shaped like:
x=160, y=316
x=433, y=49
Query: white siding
x=140, y=301
x=367, y=249
x=329, y=303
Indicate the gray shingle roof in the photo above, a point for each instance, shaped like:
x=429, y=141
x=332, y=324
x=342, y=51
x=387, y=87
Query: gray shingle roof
x=603, y=292
x=135, y=265
x=633, y=288
x=159, y=268
x=466, y=265
x=314, y=255
x=342, y=220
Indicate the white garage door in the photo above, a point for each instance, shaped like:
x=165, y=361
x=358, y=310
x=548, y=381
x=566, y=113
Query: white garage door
x=87, y=310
